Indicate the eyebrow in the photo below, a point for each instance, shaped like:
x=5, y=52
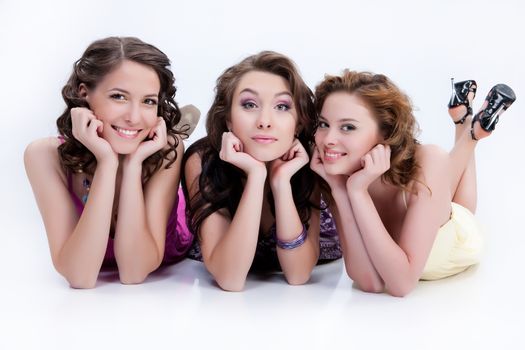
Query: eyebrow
x=127, y=92
x=256, y=93
x=342, y=119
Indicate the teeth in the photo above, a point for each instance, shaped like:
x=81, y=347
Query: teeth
x=126, y=131
x=332, y=155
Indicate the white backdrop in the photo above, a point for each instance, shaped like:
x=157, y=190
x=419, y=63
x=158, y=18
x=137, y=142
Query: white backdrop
x=419, y=44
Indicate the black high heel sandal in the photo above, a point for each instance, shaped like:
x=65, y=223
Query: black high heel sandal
x=459, y=97
x=499, y=98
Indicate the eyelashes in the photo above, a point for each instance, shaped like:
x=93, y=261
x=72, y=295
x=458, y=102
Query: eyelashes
x=281, y=106
x=121, y=97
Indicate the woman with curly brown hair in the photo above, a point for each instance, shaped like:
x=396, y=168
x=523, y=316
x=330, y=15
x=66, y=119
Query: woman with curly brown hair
x=403, y=210
x=253, y=201
x=107, y=186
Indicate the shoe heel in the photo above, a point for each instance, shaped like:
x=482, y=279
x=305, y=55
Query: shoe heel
x=499, y=99
x=459, y=97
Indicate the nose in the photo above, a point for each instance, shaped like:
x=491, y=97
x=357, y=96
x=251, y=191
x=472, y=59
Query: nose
x=329, y=136
x=264, y=119
x=133, y=114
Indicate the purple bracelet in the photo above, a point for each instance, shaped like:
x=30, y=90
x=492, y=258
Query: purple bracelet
x=294, y=243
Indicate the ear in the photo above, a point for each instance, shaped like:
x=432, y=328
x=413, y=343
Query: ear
x=83, y=91
x=229, y=125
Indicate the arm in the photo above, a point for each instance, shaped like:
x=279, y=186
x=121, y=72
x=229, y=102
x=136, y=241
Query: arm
x=143, y=212
x=358, y=265
x=297, y=264
x=77, y=245
x=401, y=263
x=228, y=245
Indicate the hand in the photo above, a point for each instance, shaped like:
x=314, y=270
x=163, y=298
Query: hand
x=86, y=128
x=232, y=152
x=282, y=169
x=336, y=182
x=375, y=163
x=157, y=140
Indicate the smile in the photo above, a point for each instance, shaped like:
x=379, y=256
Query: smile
x=333, y=156
x=126, y=133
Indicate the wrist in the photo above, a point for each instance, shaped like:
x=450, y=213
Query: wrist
x=257, y=173
x=110, y=163
x=278, y=184
x=357, y=194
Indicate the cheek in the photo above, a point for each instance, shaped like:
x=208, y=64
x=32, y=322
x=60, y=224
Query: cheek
x=318, y=138
x=150, y=118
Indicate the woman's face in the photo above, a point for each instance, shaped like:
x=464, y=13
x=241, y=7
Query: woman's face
x=347, y=131
x=126, y=102
x=263, y=115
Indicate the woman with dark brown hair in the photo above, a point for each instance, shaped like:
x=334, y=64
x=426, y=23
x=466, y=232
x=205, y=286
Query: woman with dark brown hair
x=253, y=201
x=403, y=210
x=107, y=186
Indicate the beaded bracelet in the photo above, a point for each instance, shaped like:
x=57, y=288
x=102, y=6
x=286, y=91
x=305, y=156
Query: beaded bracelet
x=293, y=243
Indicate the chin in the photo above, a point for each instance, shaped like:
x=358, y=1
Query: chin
x=124, y=149
x=266, y=156
x=337, y=169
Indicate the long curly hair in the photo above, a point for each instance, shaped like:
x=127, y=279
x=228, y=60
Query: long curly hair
x=220, y=183
x=99, y=59
x=393, y=111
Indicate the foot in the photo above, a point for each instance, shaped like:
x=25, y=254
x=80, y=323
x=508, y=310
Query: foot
x=459, y=107
x=189, y=119
x=499, y=98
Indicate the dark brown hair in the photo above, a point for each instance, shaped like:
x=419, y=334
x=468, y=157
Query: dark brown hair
x=220, y=183
x=99, y=59
x=393, y=111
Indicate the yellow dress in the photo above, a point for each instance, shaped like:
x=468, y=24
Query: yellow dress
x=458, y=245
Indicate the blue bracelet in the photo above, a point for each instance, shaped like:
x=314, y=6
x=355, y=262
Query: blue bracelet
x=294, y=243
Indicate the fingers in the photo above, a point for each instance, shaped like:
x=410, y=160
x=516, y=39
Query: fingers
x=84, y=122
x=230, y=144
x=378, y=159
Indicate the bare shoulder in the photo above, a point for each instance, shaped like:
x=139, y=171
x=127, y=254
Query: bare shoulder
x=431, y=154
x=432, y=158
x=192, y=171
x=434, y=164
x=42, y=151
x=193, y=166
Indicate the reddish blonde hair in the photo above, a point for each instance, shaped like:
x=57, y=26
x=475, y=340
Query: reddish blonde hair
x=393, y=111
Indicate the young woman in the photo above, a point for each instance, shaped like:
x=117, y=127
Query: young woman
x=253, y=201
x=403, y=210
x=107, y=186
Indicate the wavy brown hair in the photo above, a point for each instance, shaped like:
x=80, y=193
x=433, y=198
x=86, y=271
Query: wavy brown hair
x=393, y=111
x=220, y=183
x=99, y=59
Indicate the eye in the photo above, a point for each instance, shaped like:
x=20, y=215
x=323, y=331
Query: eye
x=117, y=96
x=248, y=105
x=347, y=127
x=150, y=101
x=322, y=125
x=283, y=107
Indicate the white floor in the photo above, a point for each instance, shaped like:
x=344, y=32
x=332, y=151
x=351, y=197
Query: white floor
x=419, y=44
x=180, y=305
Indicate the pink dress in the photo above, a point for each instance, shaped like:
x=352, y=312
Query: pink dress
x=178, y=235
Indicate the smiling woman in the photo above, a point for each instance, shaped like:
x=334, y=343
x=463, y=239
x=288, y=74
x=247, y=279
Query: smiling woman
x=404, y=210
x=107, y=185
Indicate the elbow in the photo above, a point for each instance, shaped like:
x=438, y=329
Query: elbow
x=370, y=286
x=76, y=280
x=132, y=277
x=297, y=278
x=231, y=284
x=81, y=282
x=400, y=290
x=366, y=281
